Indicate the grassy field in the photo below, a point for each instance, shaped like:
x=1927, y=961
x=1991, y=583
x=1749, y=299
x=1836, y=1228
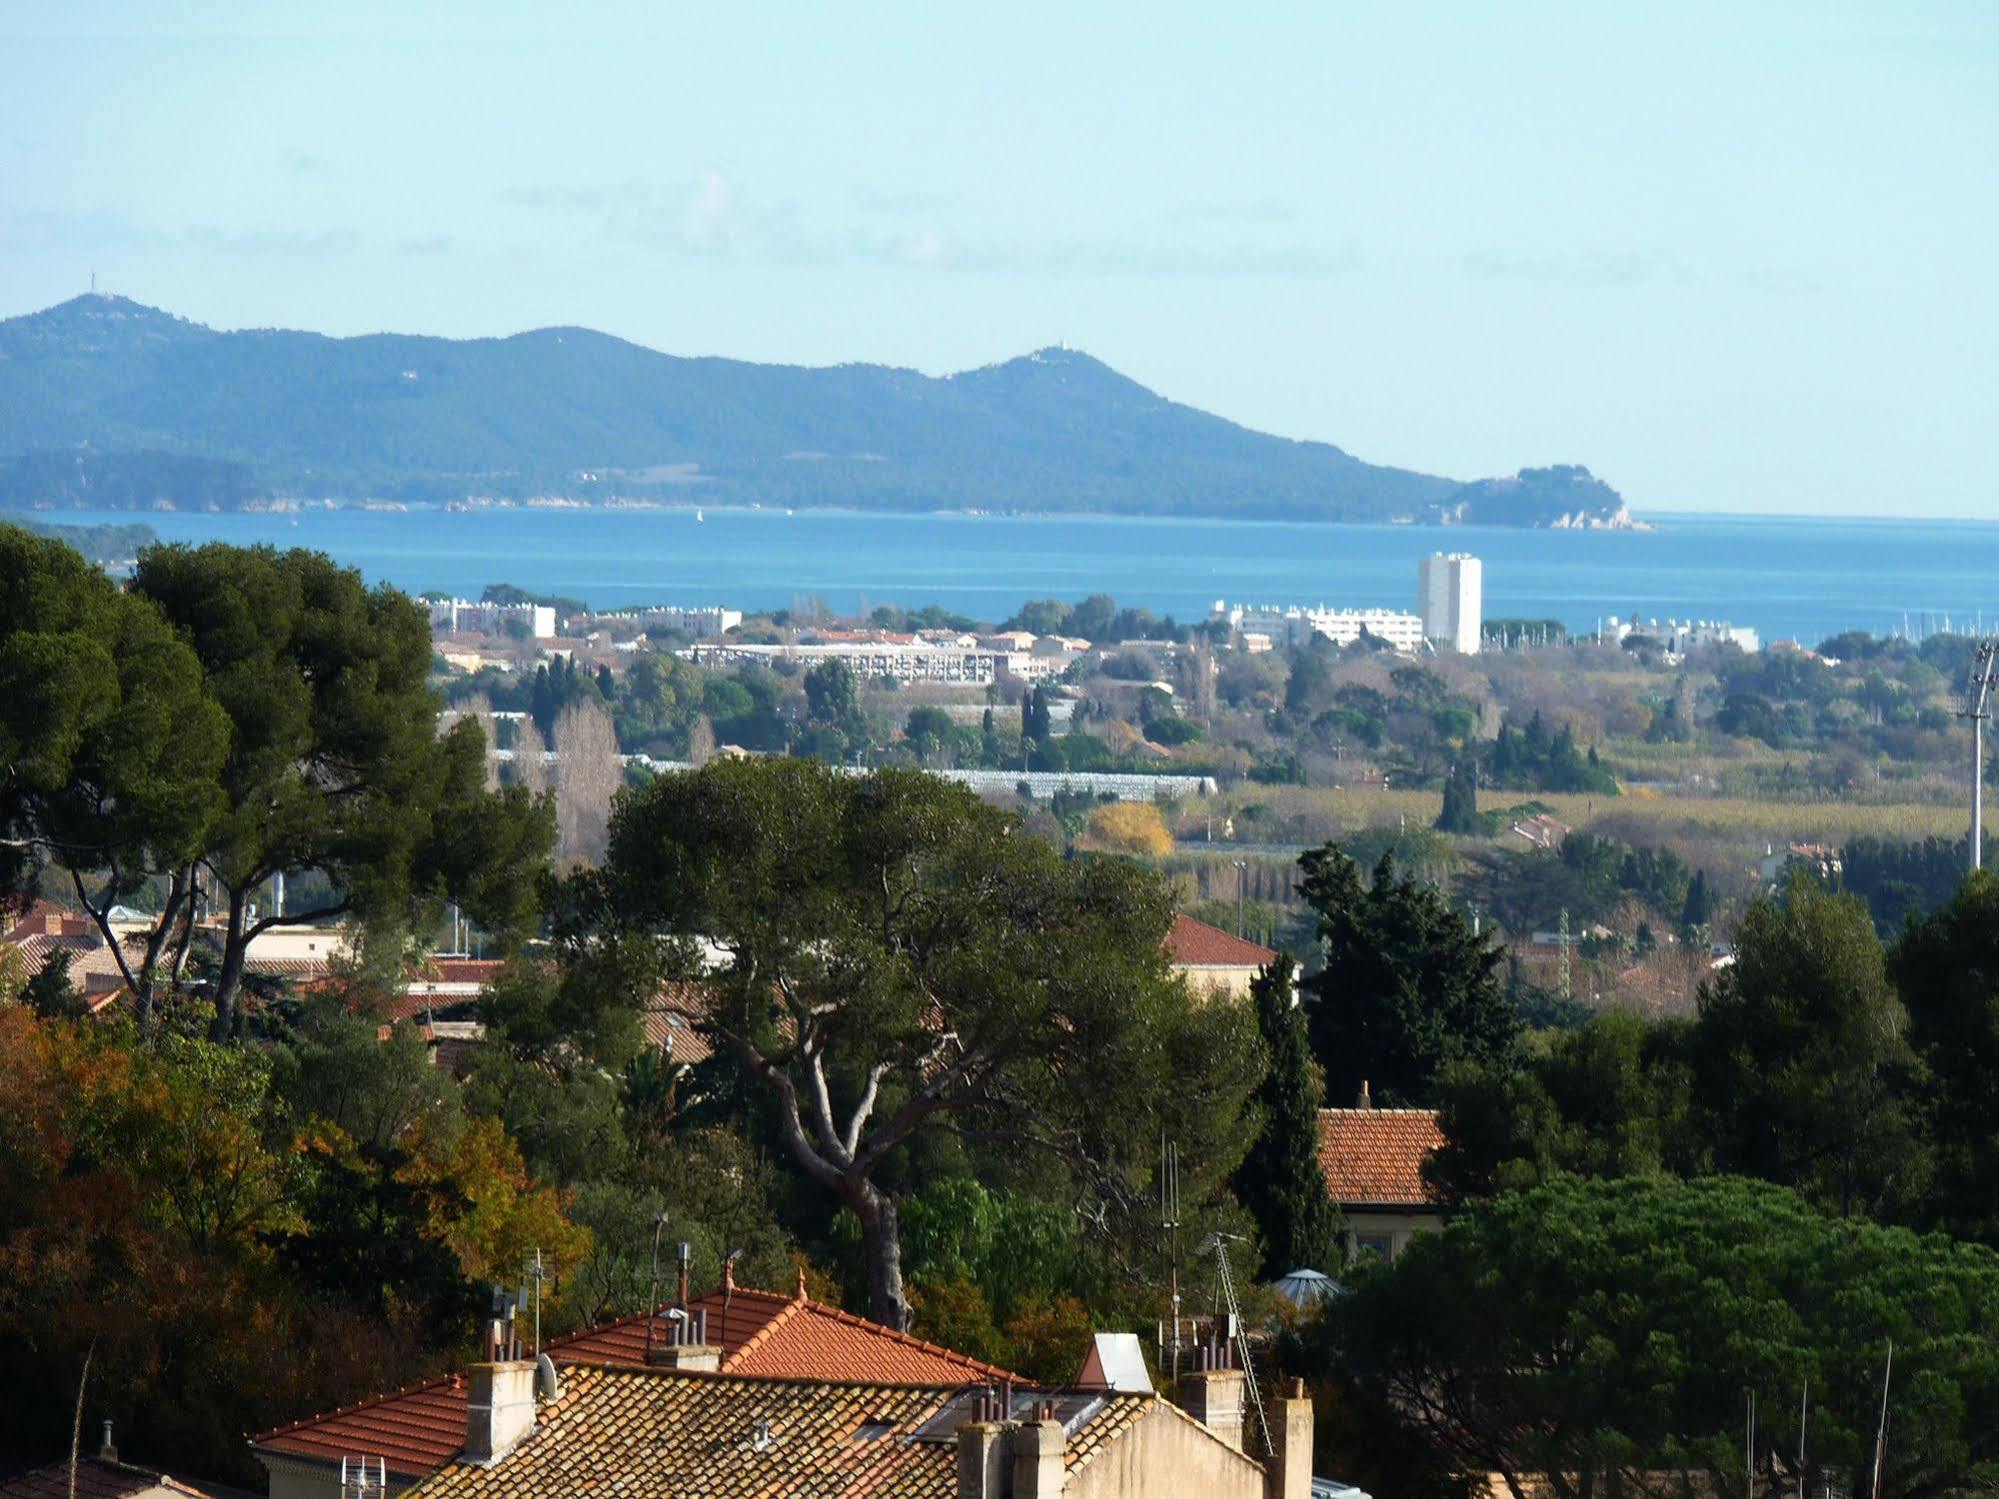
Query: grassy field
x=1296, y=814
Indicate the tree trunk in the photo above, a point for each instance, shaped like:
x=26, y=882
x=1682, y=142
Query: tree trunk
x=881, y=1245
x=229, y=982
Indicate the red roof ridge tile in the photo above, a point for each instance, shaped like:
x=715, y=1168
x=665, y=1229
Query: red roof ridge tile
x=1376, y=1109
x=660, y=1371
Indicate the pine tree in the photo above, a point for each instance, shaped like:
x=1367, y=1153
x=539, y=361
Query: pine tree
x=1279, y=1180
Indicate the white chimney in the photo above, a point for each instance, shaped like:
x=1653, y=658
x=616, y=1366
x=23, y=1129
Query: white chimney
x=499, y=1409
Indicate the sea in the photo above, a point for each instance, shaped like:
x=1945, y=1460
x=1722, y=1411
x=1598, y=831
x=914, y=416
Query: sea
x=1787, y=577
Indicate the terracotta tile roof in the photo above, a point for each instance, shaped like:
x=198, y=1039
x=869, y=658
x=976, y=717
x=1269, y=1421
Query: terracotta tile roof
x=1195, y=944
x=669, y=1020
x=95, y=1479
x=416, y=1003
x=671, y=1434
x=477, y=971
x=1375, y=1156
x=413, y=1430
x=46, y=919
x=297, y=970
x=763, y=1334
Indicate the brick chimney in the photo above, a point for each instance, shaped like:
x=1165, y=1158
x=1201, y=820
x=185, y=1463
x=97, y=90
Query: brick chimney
x=1288, y=1474
x=1214, y=1398
x=1037, y=1460
x=499, y=1409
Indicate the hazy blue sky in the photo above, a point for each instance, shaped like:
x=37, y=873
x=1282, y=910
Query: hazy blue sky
x=1731, y=256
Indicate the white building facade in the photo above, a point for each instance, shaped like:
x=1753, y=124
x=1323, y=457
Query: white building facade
x=1264, y=626
x=1450, y=589
x=456, y=616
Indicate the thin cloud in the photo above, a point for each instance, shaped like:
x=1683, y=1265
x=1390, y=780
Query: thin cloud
x=1579, y=268
x=1263, y=210
x=711, y=216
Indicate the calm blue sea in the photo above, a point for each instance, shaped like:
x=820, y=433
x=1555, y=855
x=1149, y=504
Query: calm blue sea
x=1788, y=577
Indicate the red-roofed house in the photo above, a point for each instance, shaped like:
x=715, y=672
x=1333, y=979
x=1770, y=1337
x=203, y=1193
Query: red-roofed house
x=1373, y=1163
x=761, y=1334
x=101, y=1476
x=1213, y=961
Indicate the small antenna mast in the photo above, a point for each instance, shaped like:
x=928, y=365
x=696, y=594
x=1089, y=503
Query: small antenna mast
x=1169, y=1222
x=1976, y=692
x=1239, y=1334
x=1804, y=1404
x=1881, y=1435
x=537, y=1273
x=652, y=1287
x=1749, y=1451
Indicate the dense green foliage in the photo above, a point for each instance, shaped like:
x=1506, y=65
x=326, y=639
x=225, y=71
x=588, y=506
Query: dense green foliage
x=876, y=926
x=334, y=760
x=1280, y=1181
x=568, y=411
x=100, y=544
x=1946, y=969
x=1597, y=1332
x=1406, y=988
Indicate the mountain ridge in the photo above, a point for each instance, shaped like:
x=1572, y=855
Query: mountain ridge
x=110, y=402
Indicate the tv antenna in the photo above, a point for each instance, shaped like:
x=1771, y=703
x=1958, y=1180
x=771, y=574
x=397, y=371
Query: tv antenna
x=1976, y=692
x=652, y=1288
x=536, y=1272
x=1238, y=1333
x=1169, y=1223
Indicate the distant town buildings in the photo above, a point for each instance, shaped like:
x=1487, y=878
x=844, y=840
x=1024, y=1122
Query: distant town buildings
x=1450, y=589
x=1269, y=626
x=1682, y=635
x=457, y=616
x=959, y=660
x=702, y=623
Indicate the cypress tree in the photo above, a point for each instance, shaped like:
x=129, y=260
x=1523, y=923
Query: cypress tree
x=1699, y=908
x=1460, y=813
x=1279, y=1181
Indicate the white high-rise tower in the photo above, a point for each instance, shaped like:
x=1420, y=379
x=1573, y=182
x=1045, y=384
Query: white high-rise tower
x=1450, y=592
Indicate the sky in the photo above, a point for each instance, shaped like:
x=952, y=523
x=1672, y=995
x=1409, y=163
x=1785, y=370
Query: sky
x=1731, y=256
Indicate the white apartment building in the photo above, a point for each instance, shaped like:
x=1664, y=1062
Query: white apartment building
x=915, y=662
x=1263, y=626
x=701, y=623
x=1450, y=589
x=1682, y=635
x=453, y=616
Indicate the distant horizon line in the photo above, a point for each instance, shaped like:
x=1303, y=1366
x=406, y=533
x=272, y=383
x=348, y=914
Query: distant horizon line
x=384, y=507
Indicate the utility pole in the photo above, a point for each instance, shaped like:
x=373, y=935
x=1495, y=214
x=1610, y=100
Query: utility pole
x=1241, y=877
x=1975, y=694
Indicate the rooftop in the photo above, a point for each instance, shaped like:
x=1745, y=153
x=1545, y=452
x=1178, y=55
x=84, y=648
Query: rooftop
x=656, y=1431
x=1374, y=1157
x=98, y=1479
x=1196, y=944
x=763, y=1334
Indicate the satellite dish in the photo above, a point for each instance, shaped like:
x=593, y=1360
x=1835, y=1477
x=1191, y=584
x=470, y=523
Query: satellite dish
x=546, y=1385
